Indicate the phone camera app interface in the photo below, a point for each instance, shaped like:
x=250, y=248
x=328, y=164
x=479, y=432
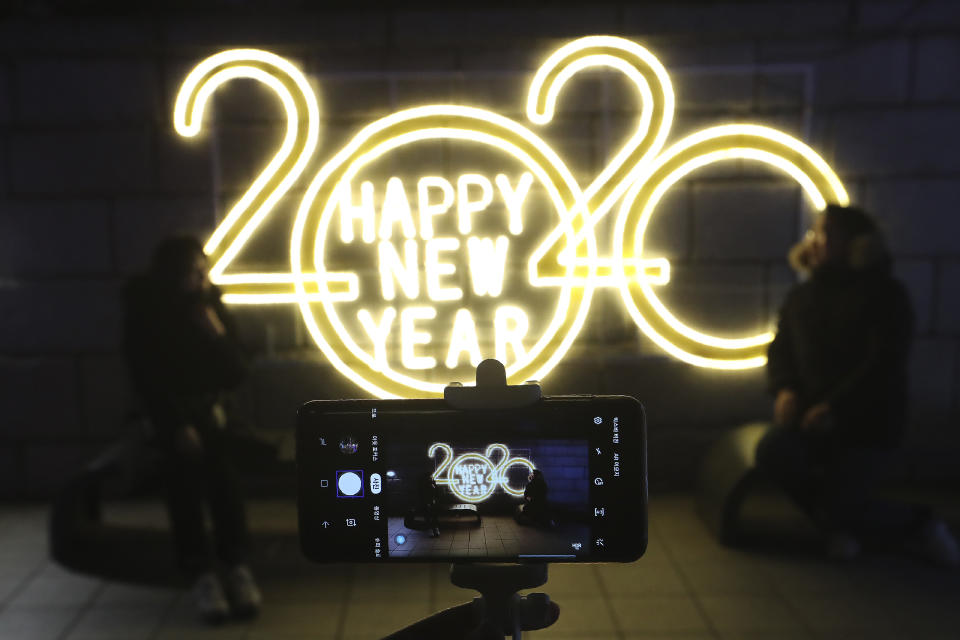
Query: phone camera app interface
x=545, y=483
x=348, y=446
x=350, y=484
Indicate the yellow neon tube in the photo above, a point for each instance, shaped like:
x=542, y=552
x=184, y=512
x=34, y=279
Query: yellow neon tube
x=299, y=143
x=656, y=116
x=423, y=123
x=639, y=174
x=738, y=141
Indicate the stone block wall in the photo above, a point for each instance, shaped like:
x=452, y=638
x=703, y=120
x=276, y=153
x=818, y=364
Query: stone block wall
x=92, y=175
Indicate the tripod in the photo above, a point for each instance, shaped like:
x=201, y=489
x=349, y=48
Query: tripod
x=500, y=610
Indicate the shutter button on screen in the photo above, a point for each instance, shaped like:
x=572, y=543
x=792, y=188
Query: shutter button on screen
x=349, y=484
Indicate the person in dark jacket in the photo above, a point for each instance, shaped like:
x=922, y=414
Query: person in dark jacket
x=535, y=509
x=837, y=369
x=428, y=497
x=183, y=354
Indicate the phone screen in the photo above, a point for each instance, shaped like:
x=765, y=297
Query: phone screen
x=563, y=480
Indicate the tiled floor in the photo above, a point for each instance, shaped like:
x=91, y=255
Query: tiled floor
x=685, y=587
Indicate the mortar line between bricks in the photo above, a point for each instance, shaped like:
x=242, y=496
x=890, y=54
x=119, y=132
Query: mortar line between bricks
x=687, y=584
x=910, y=90
x=955, y=390
x=82, y=417
x=112, y=238
x=936, y=279
x=690, y=198
x=8, y=67
x=765, y=296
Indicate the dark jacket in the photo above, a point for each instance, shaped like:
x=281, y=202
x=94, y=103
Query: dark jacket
x=178, y=368
x=844, y=338
x=536, y=495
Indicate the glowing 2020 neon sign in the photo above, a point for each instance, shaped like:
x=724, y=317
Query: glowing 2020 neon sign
x=473, y=477
x=418, y=266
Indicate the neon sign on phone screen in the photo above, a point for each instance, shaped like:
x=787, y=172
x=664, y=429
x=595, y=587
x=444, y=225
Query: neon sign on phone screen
x=473, y=477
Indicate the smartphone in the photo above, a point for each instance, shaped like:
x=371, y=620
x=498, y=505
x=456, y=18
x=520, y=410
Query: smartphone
x=562, y=480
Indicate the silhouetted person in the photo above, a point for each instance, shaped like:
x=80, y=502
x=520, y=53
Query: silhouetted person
x=428, y=497
x=183, y=355
x=535, y=509
x=838, y=371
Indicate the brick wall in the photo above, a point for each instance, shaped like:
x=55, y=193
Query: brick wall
x=92, y=175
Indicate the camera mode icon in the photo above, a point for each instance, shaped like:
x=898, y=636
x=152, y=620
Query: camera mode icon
x=350, y=484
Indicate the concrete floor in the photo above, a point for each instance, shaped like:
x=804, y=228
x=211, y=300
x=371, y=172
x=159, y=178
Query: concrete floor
x=685, y=587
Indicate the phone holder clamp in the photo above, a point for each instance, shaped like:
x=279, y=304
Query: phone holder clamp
x=492, y=390
x=500, y=609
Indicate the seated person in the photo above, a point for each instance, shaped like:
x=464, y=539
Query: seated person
x=428, y=501
x=838, y=370
x=183, y=355
x=534, y=509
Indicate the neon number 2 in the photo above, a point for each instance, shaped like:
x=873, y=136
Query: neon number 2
x=298, y=146
x=447, y=459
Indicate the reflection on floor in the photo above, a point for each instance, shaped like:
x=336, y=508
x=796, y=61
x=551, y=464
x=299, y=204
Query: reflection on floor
x=685, y=587
x=496, y=537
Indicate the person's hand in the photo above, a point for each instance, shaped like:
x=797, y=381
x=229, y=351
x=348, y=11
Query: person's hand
x=188, y=441
x=817, y=418
x=785, y=407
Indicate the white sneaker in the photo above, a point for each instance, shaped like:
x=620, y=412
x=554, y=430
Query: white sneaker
x=244, y=592
x=938, y=544
x=208, y=597
x=843, y=546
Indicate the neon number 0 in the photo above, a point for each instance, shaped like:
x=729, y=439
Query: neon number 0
x=447, y=459
x=500, y=472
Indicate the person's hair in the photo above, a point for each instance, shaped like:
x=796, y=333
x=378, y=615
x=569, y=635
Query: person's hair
x=850, y=220
x=537, y=473
x=867, y=246
x=174, y=256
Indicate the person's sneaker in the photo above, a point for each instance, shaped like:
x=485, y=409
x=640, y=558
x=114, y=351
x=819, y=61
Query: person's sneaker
x=843, y=546
x=244, y=594
x=938, y=545
x=208, y=597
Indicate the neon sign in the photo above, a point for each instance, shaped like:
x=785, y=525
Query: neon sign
x=473, y=477
x=404, y=282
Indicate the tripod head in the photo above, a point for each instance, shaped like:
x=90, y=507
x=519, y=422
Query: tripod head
x=499, y=610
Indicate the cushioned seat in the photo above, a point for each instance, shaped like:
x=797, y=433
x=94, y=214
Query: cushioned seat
x=447, y=515
x=81, y=540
